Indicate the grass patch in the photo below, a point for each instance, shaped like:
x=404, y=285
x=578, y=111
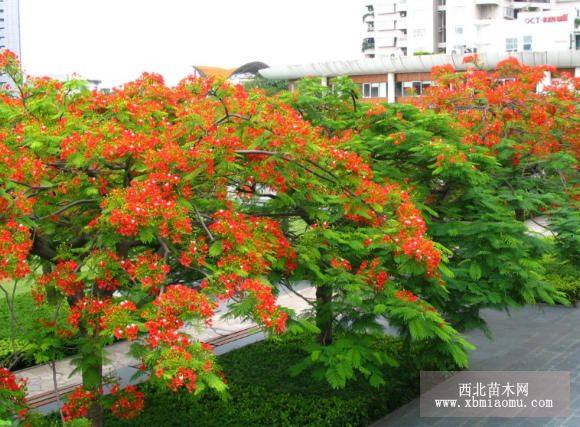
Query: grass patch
x=28, y=333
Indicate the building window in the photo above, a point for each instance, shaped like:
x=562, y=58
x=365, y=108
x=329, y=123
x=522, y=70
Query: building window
x=527, y=42
x=415, y=88
x=511, y=44
x=459, y=29
x=374, y=90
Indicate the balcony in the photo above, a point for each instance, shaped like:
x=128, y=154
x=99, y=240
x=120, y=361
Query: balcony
x=509, y=13
x=401, y=41
x=368, y=44
x=532, y=4
x=368, y=17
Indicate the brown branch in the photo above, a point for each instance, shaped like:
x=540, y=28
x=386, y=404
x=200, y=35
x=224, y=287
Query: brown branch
x=33, y=187
x=202, y=223
x=229, y=116
x=68, y=206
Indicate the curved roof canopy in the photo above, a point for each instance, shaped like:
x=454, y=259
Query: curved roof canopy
x=227, y=73
x=216, y=72
x=413, y=64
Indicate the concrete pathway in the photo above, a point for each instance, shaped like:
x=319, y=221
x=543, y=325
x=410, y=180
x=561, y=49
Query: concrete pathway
x=534, y=338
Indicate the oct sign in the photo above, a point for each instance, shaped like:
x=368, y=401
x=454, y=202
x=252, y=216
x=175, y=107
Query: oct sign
x=546, y=19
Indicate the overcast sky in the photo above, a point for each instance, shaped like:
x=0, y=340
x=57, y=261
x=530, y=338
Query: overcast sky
x=115, y=40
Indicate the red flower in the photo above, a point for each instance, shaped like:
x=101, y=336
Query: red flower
x=406, y=296
x=77, y=405
x=128, y=403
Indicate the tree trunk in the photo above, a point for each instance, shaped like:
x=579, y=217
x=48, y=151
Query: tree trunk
x=92, y=373
x=324, y=315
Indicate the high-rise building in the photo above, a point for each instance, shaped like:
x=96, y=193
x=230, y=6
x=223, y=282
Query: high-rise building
x=411, y=27
x=9, y=28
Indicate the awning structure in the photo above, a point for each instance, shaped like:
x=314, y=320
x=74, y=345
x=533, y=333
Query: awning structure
x=226, y=73
x=414, y=64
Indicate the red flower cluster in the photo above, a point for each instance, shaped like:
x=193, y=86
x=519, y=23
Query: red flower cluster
x=374, y=275
x=179, y=300
x=184, y=378
x=77, y=405
x=406, y=296
x=541, y=123
x=250, y=244
x=340, y=264
x=15, y=244
x=12, y=395
x=177, y=303
x=149, y=270
x=266, y=308
x=150, y=203
x=64, y=278
x=128, y=403
x=196, y=253
x=120, y=319
x=412, y=239
x=351, y=162
x=89, y=311
x=109, y=271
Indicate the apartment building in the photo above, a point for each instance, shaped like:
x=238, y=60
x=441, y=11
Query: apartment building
x=9, y=28
x=415, y=27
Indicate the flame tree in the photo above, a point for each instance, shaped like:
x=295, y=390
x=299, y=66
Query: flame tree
x=141, y=210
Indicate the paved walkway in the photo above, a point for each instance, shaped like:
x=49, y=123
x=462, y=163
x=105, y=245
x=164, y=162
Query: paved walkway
x=534, y=338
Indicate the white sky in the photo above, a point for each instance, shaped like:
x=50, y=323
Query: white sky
x=116, y=40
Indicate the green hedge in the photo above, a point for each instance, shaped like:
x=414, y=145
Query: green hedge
x=264, y=394
x=568, y=285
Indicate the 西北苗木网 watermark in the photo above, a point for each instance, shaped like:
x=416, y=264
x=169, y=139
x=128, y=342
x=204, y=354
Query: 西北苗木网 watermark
x=495, y=394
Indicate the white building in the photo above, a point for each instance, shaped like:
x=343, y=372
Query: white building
x=395, y=78
x=9, y=27
x=409, y=27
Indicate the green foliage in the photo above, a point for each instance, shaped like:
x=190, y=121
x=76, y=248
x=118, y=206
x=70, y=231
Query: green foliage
x=565, y=223
x=564, y=276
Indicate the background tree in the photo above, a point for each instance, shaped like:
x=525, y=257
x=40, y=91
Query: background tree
x=494, y=262
x=148, y=206
x=531, y=127
x=270, y=87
